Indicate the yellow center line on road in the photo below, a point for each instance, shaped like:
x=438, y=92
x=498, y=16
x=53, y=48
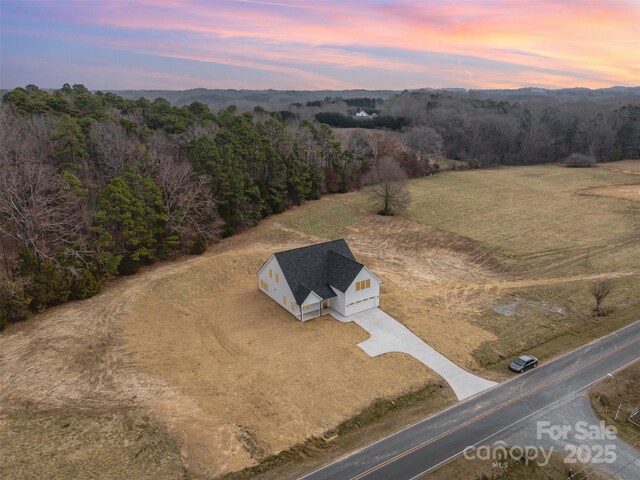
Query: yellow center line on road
x=493, y=410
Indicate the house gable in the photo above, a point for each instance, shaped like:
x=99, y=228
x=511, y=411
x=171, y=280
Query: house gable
x=363, y=293
x=312, y=298
x=274, y=283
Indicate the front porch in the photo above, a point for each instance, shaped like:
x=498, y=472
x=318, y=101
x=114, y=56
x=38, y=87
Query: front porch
x=314, y=310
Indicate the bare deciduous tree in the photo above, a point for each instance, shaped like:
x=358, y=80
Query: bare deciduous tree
x=37, y=209
x=190, y=206
x=357, y=142
x=425, y=141
x=390, y=190
x=600, y=292
x=111, y=149
x=198, y=130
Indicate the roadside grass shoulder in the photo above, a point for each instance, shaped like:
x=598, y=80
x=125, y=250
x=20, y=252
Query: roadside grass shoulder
x=380, y=417
x=620, y=391
x=463, y=469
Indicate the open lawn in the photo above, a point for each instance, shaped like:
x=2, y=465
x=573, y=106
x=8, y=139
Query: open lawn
x=232, y=377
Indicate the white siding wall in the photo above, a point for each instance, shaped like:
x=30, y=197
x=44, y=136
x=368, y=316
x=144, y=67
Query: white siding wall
x=337, y=302
x=277, y=290
x=357, y=301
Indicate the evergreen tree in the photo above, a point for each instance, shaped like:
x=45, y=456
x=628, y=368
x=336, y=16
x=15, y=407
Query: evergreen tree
x=69, y=141
x=130, y=222
x=47, y=282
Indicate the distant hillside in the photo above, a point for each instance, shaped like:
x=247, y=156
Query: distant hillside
x=271, y=98
x=265, y=98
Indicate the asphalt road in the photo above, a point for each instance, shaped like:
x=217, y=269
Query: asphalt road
x=489, y=416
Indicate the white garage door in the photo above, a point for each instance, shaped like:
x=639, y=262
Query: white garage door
x=361, y=306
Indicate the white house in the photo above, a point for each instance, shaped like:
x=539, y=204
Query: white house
x=362, y=113
x=309, y=279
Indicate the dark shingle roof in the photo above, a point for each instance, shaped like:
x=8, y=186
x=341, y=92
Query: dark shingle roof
x=341, y=270
x=315, y=267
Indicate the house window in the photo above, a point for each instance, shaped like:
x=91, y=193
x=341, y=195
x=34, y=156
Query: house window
x=284, y=300
x=307, y=307
x=277, y=277
x=265, y=285
x=368, y=283
x=357, y=286
x=293, y=306
x=270, y=274
x=363, y=284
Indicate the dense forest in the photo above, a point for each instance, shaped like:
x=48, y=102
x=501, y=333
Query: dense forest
x=492, y=129
x=489, y=128
x=94, y=185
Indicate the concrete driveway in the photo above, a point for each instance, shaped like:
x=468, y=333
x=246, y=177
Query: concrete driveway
x=389, y=335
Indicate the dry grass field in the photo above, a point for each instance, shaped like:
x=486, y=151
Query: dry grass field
x=631, y=166
x=225, y=377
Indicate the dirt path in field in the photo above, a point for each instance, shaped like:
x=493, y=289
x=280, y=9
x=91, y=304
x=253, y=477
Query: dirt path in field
x=623, y=170
x=75, y=356
x=625, y=192
x=497, y=287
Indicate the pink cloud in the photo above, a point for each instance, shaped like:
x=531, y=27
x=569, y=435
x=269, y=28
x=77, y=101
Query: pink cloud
x=553, y=43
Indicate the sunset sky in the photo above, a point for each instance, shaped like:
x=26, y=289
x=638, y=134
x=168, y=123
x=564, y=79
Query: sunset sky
x=297, y=44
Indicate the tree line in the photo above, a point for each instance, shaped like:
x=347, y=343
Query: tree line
x=500, y=127
x=94, y=186
x=515, y=128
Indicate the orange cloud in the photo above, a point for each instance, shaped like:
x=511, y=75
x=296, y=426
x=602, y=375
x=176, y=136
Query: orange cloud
x=465, y=43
